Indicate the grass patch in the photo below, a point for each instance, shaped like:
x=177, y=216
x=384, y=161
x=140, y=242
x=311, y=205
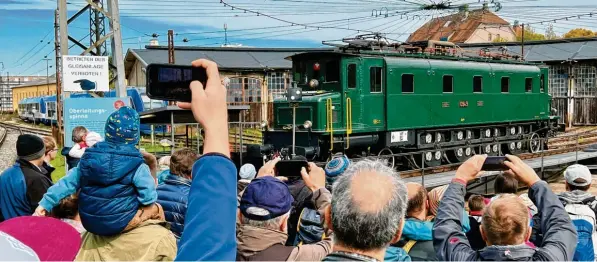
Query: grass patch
x=60, y=165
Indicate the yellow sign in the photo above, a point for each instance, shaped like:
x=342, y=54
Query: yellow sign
x=376, y=121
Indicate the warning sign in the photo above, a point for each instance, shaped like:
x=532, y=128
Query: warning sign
x=85, y=73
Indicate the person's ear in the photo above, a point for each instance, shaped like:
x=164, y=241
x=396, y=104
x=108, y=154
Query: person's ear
x=529, y=232
x=327, y=218
x=567, y=186
x=483, y=235
x=398, y=234
x=284, y=224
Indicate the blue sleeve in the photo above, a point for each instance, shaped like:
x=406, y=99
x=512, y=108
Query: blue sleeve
x=65, y=187
x=145, y=184
x=466, y=223
x=210, y=223
x=417, y=230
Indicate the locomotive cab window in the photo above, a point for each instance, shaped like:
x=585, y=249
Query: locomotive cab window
x=542, y=84
x=332, y=71
x=408, y=83
x=505, y=84
x=528, y=85
x=376, y=78
x=351, y=72
x=448, y=84
x=477, y=84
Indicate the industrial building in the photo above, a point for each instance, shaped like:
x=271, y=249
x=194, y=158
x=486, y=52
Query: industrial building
x=41, y=87
x=572, y=73
x=7, y=83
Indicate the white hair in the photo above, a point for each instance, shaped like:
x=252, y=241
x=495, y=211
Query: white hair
x=364, y=230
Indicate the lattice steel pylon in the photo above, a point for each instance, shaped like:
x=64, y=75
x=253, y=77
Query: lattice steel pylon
x=97, y=28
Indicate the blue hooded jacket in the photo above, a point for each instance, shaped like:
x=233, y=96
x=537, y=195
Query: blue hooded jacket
x=173, y=196
x=108, y=197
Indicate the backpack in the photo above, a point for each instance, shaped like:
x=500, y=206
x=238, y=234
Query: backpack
x=583, y=218
x=309, y=229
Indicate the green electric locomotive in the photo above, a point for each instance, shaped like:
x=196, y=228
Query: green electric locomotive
x=383, y=101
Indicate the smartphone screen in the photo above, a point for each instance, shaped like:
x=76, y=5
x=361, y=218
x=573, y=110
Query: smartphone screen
x=172, y=82
x=494, y=163
x=290, y=168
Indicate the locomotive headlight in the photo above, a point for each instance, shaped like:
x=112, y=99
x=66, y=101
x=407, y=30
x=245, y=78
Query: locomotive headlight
x=428, y=138
x=308, y=124
x=313, y=83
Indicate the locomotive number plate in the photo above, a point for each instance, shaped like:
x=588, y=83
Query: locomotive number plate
x=399, y=136
x=463, y=103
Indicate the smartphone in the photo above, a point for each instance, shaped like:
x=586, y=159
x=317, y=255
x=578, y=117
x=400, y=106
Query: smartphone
x=291, y=168
x=172, y=82
x=494, y=163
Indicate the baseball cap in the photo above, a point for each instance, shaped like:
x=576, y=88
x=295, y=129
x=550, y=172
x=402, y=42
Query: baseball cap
x=577, y=171
x=265, y=198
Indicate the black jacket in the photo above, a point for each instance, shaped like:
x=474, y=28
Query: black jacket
x=559, y=241
x=302, y=198
x=70, y=161
x=22, y=186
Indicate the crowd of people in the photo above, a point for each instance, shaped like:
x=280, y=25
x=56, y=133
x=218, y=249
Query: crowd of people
x=118, y=202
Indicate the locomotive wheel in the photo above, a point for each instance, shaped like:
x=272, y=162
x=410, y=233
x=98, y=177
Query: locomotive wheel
x=512, y=148
x=431, y=159
x=385, y=152
x=488, y=149
x=460, y=155
x=534, y=143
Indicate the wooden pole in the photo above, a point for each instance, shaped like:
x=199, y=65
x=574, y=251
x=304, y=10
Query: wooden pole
x=522, y=53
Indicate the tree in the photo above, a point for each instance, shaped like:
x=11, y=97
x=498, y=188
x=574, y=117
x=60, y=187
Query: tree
x=550, y=34
x=579, y=32
x=500, y=40
x=529, y=35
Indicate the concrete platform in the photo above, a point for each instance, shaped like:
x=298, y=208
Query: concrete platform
x=440, y=179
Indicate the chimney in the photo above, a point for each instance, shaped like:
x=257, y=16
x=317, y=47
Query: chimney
x=154, y=42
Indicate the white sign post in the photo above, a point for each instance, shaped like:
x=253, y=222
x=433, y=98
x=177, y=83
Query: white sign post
x=85, y=73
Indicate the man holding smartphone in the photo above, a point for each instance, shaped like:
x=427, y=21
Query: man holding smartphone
x=505, y=225
x=209, y=232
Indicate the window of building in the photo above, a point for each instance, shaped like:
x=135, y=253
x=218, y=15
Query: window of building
x=477, y=84
x=505, y=84
x=448, y=84
x=277, y=83
x=244, y=89
x=408, y=83
x=490, y=37
x=376, y=79
x=351, y=72
x=542, y=84
x=332, y=71
x=528, y=85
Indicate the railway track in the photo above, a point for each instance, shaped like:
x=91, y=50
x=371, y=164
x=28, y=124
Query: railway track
x=25, y=130
x=8, y=138
x=555, y=150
